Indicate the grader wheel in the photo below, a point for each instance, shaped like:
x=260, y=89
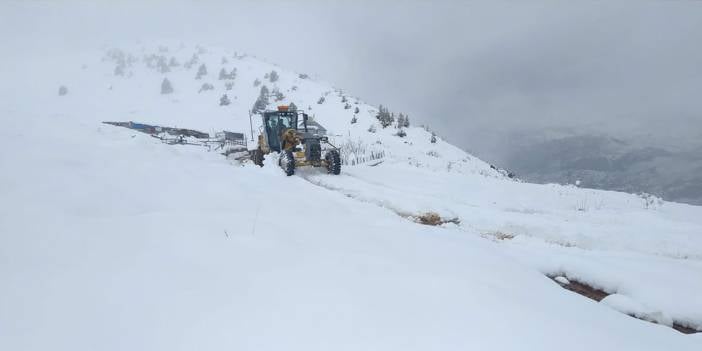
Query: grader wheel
x=333, y=162
x=287, y=162
x=257, y=157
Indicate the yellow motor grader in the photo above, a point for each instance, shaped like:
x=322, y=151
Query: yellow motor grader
x=297, y=147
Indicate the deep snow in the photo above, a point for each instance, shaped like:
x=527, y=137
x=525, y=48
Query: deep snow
x=111, y=240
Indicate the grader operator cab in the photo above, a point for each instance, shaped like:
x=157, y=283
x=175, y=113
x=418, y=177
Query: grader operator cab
x=297, y=147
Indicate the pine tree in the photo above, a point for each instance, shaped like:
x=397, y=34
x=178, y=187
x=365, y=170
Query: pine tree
x=433, y=138
x=162, y=65
x=193, y=60
x=354, y=120
x=257, y=82
x=292, y=107
x=277, y=95
x=385, y=117
x=206, y=87
x=321, y=100
x=224, y=100
x=407, y=123
x=62, y=90
x=273, y=76
x=166, y=87
x=262, y=101
x=223, y=74
x=400, y=121
x=119, y=70
x=201, y=71
x=356, y=110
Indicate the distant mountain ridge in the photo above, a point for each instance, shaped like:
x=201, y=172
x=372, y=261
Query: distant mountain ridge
x=604, y=162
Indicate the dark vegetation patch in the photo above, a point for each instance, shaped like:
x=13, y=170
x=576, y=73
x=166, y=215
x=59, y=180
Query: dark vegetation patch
x=433, y=218
x=597, y=295
x=497, y=235
x=584, y=290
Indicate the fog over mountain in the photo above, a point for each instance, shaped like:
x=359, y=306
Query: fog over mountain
x=506, y=81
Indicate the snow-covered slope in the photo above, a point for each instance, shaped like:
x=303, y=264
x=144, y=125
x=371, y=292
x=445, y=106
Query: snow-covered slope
x=111, y=240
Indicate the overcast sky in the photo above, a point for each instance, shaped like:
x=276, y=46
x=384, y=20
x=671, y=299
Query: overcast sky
x=476, y=72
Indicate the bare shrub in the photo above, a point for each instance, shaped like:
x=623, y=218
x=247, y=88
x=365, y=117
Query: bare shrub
x=357, y=152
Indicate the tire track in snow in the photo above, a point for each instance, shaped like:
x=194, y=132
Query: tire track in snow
x=312, y=178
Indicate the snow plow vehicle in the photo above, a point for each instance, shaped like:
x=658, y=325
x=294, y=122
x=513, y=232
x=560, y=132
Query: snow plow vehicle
x=298, y=147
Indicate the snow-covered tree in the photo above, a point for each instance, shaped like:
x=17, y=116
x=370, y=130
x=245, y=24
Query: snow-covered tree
x=277, y=95
x=173, y=62
x=384, y=117
x=206, y=87
x=62, y=90
x=400, y=120
x=356, y=110
x=190, y=63
x=321, y=100
x=224, y=100
x=223, y=74
x=201, y=71
x=162, y=65
x=371, y=129
x=228, y=85
x=119, y=70
x=433, y=138
x=256, y=82
x=273, y=76
x=354, y=120
x=401, y=133
x=347, y=106
x=224, y=60
x=292, y=107
x=262, y=101
x=166, y=87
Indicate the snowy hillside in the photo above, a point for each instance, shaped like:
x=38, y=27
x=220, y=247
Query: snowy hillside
x=113, y=240
x=125, y=85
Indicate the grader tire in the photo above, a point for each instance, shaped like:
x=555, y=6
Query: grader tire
x=333, y=162
x=287, y=162
x=257, y=157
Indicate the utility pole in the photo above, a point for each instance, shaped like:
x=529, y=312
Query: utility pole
x=251, y=126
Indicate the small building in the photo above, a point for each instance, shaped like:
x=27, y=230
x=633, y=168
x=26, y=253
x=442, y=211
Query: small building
x=315, y=127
